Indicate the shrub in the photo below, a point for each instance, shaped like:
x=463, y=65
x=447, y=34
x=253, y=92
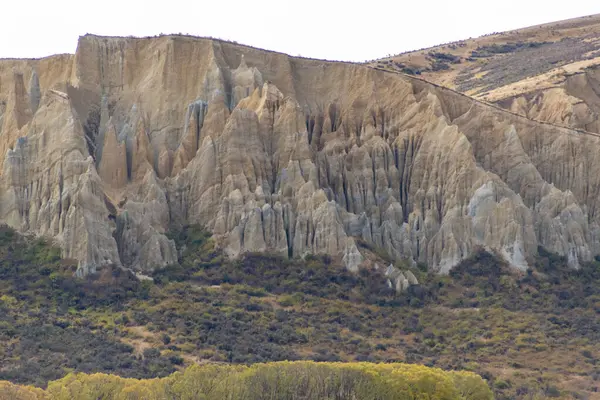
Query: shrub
x=501, y=384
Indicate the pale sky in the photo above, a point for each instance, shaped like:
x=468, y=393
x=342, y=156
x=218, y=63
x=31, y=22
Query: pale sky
x=330, y=29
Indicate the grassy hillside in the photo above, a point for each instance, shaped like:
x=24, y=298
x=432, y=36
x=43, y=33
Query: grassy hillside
x=532, y=335
x=478, y=66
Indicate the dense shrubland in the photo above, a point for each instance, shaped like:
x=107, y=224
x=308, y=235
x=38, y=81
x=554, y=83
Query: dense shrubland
x=44, y=330
x=495, y=48
x=530, y=335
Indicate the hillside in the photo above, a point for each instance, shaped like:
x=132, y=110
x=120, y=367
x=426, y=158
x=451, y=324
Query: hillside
x=528, y=334
x=547, y=72
x=105, y=150
x=176, y=201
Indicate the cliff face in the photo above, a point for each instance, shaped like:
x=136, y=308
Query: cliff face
x=106, y=149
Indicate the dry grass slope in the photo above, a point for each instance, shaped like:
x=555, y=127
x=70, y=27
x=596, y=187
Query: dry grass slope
x=546, y=73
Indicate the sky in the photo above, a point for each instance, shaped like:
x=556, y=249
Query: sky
x=330, y=29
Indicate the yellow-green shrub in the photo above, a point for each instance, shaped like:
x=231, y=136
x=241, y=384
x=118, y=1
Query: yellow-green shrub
x=271, y=381
x=10, y=391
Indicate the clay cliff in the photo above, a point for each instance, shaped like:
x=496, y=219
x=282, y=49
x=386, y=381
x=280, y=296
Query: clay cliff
x=106, y=150
x=572, y=99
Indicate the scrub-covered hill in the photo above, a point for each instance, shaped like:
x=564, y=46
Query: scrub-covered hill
x=528, y=334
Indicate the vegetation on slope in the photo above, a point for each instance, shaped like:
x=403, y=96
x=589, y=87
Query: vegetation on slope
x=531, y=335
x=272, y=381
x=45, y=331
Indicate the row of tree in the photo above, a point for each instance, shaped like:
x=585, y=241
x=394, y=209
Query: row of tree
x=271, y=381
